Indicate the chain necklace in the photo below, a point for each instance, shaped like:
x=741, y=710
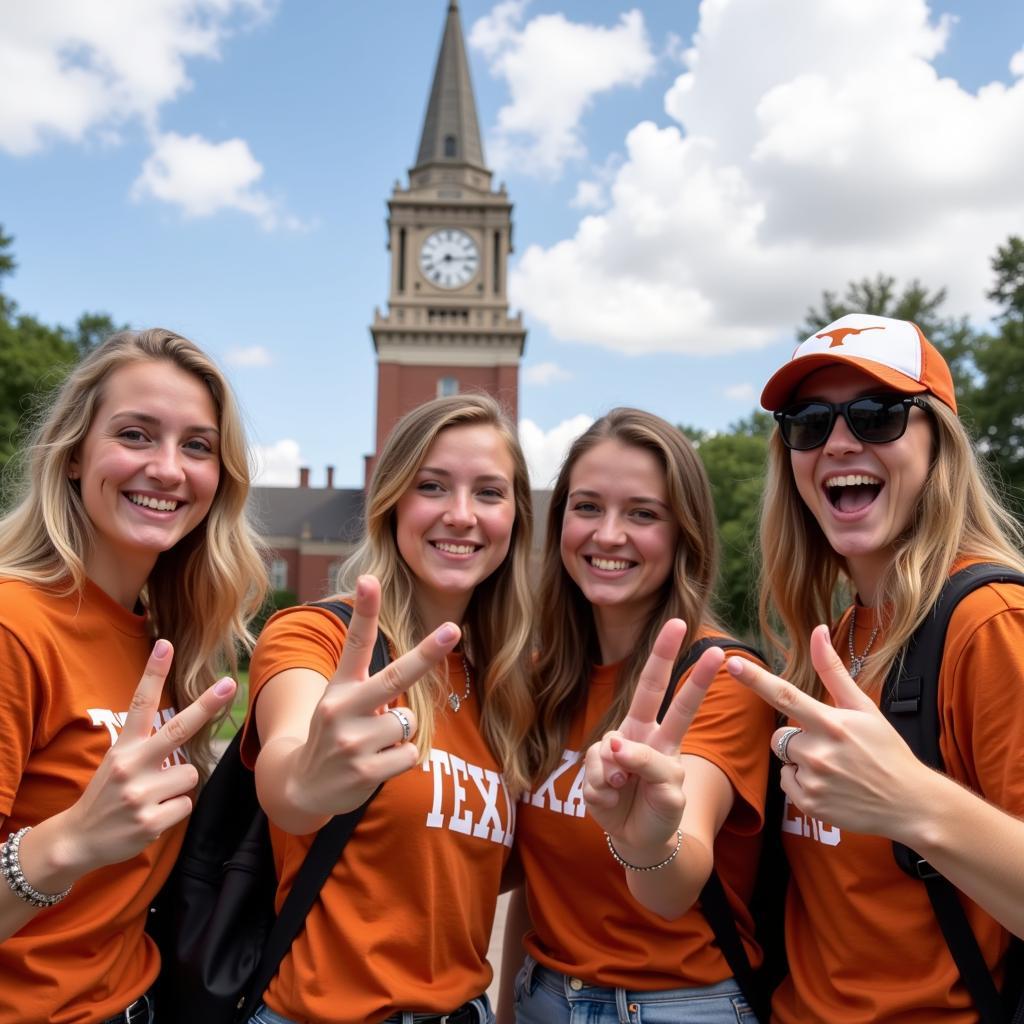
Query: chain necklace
x=857, y=661
x=454, y=700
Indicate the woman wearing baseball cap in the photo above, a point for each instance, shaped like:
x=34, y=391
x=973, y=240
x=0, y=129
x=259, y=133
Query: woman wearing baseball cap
x=874, y=490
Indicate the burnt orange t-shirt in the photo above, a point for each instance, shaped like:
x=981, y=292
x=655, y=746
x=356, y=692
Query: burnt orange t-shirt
x=404, y=921
x=862, y=938
x=585, y=921
x=68, y=669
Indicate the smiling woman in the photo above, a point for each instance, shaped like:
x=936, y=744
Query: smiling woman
x=132, y=526
x=874, y=491
x=407, y=911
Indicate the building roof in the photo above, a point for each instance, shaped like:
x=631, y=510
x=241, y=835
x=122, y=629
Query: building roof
x=308, y=513
x=451, y=111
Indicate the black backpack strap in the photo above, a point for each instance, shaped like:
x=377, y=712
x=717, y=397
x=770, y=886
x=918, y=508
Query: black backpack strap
x=713, y=900
x=910, y=702
x=323, y=854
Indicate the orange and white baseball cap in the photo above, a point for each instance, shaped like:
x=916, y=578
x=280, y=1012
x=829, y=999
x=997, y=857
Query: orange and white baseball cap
x=895, y=352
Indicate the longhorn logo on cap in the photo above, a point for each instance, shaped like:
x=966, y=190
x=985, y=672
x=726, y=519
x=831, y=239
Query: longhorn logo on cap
x=840, y=334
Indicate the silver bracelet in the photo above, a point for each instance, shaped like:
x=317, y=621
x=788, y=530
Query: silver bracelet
x=650, y=867
x=10, y=868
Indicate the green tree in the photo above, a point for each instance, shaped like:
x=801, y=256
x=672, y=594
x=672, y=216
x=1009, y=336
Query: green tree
x=998, y=404
x=735, y=463
x=34, y=358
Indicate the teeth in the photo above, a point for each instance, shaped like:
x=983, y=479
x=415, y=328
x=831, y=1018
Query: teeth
x=608, y=564
x=155, y=503
x=455, y=549
x=851, y=480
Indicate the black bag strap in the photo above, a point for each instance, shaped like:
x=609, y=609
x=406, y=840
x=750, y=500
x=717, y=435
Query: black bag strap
x=319, y=861
x=911, y=704
x=713, y=900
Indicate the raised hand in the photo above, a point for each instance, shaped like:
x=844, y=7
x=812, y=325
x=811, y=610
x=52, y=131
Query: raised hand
x=133, y=797
x=634, y=774
x=354, y=741
x=849, y=766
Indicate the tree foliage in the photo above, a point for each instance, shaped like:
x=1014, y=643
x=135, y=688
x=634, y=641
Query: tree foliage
x=34, y=358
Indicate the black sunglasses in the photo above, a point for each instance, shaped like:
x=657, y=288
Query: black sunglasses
x=874, y=419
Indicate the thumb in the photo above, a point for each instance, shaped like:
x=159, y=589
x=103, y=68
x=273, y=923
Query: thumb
x=832, y=672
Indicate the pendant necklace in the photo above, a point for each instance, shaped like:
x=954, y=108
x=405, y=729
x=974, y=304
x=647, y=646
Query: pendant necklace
x=857, y=661
x=454, y=700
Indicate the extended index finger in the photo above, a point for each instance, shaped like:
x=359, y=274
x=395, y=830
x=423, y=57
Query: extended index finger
x=361, y=634
x=686, y=703
x=188, y=721
x=146, y=700
x=396, y=677
x=780, y=694
x=656, y=673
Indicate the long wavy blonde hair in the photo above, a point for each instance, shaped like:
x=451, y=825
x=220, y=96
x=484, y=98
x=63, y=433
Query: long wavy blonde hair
x=201, y=592
x=803, y=580
x=497, y=625
x=568, y=645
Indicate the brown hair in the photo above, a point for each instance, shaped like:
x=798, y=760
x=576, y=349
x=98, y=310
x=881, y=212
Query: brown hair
x=568, y=646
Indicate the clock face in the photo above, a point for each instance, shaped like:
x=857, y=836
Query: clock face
x=449, y=258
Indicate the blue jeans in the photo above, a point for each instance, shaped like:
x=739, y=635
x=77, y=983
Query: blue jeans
x=482, y=1005
x=543, y=996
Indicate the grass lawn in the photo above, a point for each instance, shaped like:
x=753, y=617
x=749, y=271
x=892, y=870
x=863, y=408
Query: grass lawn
x=232, y=722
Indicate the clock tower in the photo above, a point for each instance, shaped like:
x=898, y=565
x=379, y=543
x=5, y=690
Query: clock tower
x=447, y=327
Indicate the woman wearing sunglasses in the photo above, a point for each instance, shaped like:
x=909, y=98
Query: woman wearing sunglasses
x=874, y=490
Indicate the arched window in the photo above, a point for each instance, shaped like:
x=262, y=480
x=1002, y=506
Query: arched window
x=449, y=145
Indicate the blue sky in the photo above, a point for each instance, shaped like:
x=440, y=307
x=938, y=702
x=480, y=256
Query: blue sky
x=687, y=179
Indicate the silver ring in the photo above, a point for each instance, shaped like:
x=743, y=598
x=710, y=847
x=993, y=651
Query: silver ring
x=403, y=721
x=782, y=744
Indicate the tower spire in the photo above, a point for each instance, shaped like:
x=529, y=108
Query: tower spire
x=451, y=131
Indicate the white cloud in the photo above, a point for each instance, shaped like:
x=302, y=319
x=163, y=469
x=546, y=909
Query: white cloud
x=203, y=178
x=554, y=68
x=1017, y=63
x=819, y=145
x=590, y=195
x=545, y=451
x=277, y=465
x=545, y=373
x=73, y=68
x=741, y=392
x=251, y=355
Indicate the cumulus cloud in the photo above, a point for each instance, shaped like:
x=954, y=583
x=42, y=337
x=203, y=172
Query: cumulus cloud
x=203, y=178
x=590, y=195
x=277, y=464
x=1017, y=63
x=814, y=144
x=251, y=355
x=554, y=68
x=73, y=68
x=545, y=373
x=545, y=450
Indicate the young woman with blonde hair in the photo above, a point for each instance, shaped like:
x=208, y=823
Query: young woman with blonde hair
x=131, y=527
x=626, y=817
x=401, y=929
x=875, y=494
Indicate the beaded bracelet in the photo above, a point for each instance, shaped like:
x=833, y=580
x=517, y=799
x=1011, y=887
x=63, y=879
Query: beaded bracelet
x=650, y=867
x=10, y=868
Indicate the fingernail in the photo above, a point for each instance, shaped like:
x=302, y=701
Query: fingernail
x=616, y=745
x=360, y=587
x=735, y=666
x=161, y=649
x=617, y=778
x=224, y=687
x=447, y=633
